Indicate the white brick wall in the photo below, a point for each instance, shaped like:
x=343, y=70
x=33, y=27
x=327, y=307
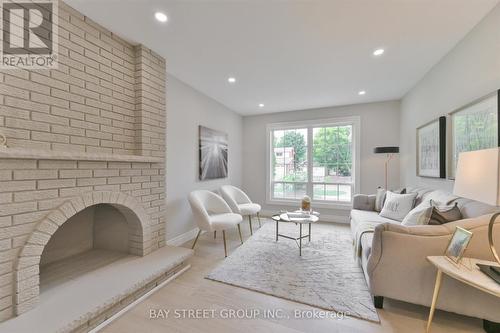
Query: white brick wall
x=107, y=96
x=33, y=190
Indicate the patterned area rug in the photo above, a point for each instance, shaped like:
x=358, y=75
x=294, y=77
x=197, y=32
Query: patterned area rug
x=326, y=276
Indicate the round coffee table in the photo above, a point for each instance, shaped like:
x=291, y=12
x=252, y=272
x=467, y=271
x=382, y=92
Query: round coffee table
x=309, y=219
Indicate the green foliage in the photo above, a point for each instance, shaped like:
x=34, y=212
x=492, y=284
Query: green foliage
x=298, y=176
x=296, y=140
x=477, y=131
x=332, y=149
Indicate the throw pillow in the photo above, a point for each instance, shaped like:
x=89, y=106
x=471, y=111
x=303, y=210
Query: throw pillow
x=441, y=198
x=379, y=199
x=441, y=215
x=397, y=206
x=414, y=216
x=400, y=191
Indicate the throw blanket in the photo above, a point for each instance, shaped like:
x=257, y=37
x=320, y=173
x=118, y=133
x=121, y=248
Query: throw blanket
x=361, y=229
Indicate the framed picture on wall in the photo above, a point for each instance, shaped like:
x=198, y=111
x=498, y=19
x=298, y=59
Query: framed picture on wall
x=474, y=127
x=431, y=149
x=213, y=153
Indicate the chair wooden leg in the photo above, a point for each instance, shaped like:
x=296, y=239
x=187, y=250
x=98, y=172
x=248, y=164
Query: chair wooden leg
x=215, y=234
x=258, y=218
x=196, y=239
x=239, y=231
x=224, y=237
x=250, y=223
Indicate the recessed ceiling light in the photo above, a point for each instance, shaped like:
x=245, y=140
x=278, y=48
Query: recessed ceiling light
x=362, y=92
x=161, y=17
x=378, y=52
x=231, y=80
x=261, y=105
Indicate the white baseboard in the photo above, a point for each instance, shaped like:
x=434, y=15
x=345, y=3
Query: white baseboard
x=183, y=238
x=322, y=218
x=191, y=234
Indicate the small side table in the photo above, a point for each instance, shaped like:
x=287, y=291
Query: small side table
x=283, y=218
x=471, y=276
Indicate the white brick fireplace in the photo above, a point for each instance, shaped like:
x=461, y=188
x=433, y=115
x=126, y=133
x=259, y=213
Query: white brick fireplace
x=48, y=193
x=86, y=142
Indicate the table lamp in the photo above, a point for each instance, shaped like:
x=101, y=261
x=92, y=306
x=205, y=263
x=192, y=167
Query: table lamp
x=478, y=178
x=389, y=151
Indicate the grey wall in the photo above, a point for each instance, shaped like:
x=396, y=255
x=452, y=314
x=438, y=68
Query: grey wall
x=186, y=109
x=379, y=127
x=469, y=71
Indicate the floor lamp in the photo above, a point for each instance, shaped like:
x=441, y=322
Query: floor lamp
x=389, y=151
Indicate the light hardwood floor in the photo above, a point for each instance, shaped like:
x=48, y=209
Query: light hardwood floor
x=192, y=291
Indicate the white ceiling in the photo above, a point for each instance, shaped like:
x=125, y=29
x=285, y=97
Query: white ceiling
x=294, y=55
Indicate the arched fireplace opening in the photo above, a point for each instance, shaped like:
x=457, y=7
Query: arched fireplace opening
x=92, y=238
x=80, y=236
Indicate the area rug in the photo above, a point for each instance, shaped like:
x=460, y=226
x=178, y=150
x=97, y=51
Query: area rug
x=326, y=276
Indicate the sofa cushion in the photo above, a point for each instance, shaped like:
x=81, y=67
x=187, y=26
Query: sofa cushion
x=441, y=215
x=469, y=208
x=440, y=197
x=363, y=202
x=413, y=217
x=421, y=193
x=379, y=199
x=369, y=216
x=397, y=206
x=360, y=216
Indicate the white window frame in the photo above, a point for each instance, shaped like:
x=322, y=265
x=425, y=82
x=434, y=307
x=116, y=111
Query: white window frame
x=354, y=121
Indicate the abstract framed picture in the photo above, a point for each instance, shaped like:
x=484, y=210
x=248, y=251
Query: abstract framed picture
x=474, y=126
x=431, y=149
x=213, y=146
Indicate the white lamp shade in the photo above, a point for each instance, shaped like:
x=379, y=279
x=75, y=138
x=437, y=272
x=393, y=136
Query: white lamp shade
x=478, y=176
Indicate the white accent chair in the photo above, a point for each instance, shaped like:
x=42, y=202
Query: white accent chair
x=212, y=213
x=240, y=203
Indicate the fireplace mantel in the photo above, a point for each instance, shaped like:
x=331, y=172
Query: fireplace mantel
x=32, y=154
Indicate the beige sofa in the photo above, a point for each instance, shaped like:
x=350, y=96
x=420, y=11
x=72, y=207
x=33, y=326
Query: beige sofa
x=394, y=262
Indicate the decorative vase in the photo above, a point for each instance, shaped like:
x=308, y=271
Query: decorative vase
x=306, y=204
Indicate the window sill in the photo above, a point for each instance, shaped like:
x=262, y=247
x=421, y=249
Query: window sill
x=314, y=204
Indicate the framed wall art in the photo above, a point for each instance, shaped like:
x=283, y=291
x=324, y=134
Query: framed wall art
x=431, y=149
x=474, y=126
x=213, y=153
